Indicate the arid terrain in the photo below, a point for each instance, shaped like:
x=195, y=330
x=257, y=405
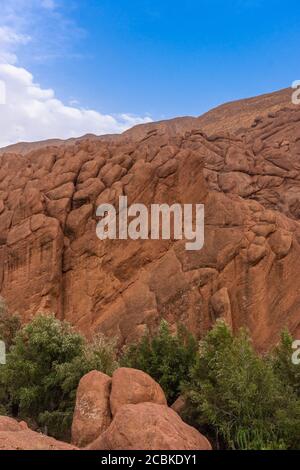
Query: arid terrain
x=242, y=160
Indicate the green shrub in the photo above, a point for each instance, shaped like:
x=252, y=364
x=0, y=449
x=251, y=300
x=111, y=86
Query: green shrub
x=235, y=396
x=98, y=355
x=44, y=366
x=167, y=358
x=9, y=325
x=283, y=367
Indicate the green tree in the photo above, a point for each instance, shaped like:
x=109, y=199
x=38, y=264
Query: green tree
x=283, y=366
x=43, y=370
x=166, y=357
x=9, y=325
x=234, y=395
x=100, y=355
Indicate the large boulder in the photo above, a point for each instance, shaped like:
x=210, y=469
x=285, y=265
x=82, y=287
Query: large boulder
x=92, y=411
x=148, y=426
x=131, y=386
x=17, y=436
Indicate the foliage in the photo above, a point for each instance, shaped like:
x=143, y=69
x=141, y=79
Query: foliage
x=98, y=355
x=9, y=325
x=166, y=357
x=234, y=394
x=44, y=366
x=236, y=397
x=282, y=364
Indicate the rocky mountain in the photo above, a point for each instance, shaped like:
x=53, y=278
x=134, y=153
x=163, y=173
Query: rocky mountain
x=229, y=117
x=240, y=160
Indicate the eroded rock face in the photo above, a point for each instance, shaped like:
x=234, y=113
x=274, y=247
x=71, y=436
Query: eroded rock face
x=92, y=414
x=131, y=386
x=148, y=426
x=51, y=259
x=17, y=436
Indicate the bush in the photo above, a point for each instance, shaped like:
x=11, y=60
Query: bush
x=9, y=325
x=165, y=357
x=44, y=366
x=98, y=355
x=235, y=396
x=281, y=361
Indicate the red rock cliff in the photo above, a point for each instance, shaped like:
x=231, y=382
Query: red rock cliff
x=247, y=272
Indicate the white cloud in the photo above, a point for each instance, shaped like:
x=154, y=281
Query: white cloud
x=31, y=112
x=9, y=36
x=9, y=40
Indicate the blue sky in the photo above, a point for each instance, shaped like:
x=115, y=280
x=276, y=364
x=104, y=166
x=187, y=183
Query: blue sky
x=157, y=58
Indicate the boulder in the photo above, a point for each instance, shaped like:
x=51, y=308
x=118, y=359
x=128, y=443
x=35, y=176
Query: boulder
x=10, y=424
x=92, y=412
x=131, y=386
x=148, y=426
x=17, y=436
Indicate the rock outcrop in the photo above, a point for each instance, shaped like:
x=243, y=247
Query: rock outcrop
x=17, y=436
x=148, y=426
x=11, y=425
x=130, y=386
x=249, y=181
x=100, y=397
x=130, y=413
x=92, y=414
x=107, y=420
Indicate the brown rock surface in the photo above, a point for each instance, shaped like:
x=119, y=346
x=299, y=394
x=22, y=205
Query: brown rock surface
x=148, y=426
x=11, y=425
x=17, y=436
x=92, y=414
x=179, y=405
x=130, y=386
x=249, y=180
x=228, y=117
